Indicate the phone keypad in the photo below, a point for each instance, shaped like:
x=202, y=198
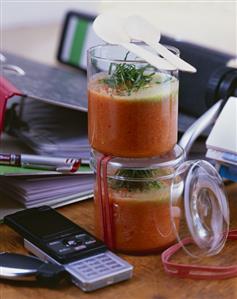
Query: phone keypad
x=72, y=244
x=95, y=266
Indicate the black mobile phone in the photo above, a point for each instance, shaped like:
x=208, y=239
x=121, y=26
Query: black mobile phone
x=53, y=237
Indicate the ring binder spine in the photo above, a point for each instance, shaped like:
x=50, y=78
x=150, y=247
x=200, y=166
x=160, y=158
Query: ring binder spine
x=7, y=91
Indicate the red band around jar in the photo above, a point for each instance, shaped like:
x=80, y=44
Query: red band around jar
x=105, y=205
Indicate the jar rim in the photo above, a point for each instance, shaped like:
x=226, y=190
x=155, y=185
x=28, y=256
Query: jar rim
x=172, y=159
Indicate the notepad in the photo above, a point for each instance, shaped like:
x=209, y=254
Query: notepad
x=223, y=136
x=25, y=188
x=48, y=190
x=222, y=157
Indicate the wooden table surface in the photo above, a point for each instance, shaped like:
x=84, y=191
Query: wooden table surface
x=149, y=280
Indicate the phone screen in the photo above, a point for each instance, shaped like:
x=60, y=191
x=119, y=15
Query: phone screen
x=43, y=223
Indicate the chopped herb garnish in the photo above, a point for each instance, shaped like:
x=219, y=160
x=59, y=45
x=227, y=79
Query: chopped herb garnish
x=134, y=180
x=126, y=77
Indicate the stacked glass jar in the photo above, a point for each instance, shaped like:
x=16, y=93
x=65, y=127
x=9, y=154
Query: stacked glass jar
x=140, y=171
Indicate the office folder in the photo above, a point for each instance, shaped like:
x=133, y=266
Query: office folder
x=50, y=130
x=50, y=109
x=41, y=82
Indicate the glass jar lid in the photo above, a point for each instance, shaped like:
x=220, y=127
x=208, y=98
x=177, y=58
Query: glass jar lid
x=199, y=208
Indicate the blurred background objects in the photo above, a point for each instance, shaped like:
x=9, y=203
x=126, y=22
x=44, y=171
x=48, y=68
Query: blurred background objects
x=209, y=23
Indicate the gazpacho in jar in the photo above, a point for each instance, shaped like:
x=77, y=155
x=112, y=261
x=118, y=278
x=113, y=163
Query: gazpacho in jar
x=133, y=110
x=132, y=202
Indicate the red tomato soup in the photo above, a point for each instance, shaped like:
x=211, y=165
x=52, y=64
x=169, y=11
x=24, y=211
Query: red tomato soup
x=141, y=220
x=142, y=124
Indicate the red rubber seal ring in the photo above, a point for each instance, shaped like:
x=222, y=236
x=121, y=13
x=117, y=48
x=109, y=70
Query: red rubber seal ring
x=196, y=271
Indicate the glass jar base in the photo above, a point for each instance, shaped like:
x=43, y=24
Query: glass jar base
x=142, y=252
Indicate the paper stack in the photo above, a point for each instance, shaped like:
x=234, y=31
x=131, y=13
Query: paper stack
x=52, y=190
x=222, y=141
x=25, y=188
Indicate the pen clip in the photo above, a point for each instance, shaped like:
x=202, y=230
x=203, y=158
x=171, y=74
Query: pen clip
x=71, y=168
